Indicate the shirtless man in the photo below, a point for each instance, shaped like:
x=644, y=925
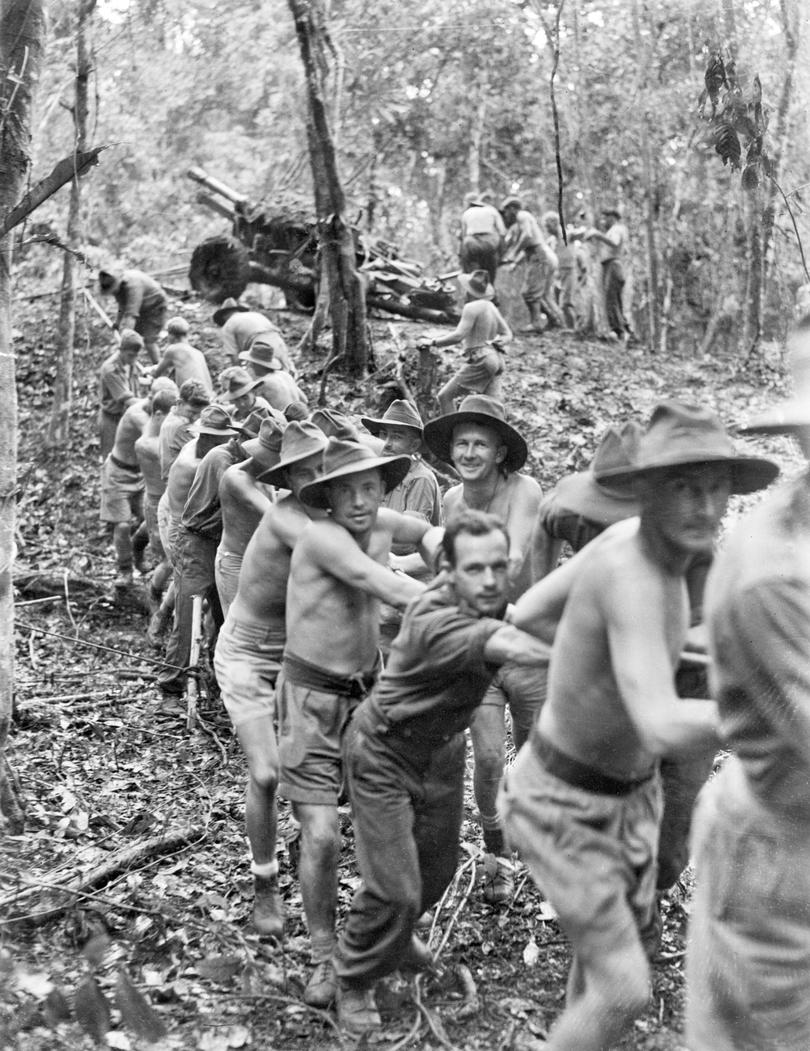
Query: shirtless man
x=400, y=428
x=278, y=388
x=244, y=499
x=582, y=803
x=338, y=575
x=180, y=360
x=482, y=332
x=240, y=327
x=248, y=655
x=211, y=429
x=162, y=397
x=176, y=430
x=122, y=491
x=488, y=453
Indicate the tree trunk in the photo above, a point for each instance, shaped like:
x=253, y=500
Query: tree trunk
x=477, y=125
x=752, y=319
x=59, y=428
x=346, y=289
x=780, y=135
x=22, y=37
x=653, y=315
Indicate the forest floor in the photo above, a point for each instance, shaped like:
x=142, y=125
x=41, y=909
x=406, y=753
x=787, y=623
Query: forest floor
x=161, y=949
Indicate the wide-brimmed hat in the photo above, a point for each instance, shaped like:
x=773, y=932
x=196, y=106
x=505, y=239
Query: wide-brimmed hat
x=240, y=382
x=252, y=423
x=485, y=411
x=400, y=413
x=265, y=448
x=680, y=435
x=301, y=439
x=342, y=458
x=789, y=417
x=226, y=308
x=214, y=419
x=471, y=199
x=589, y=493
x=511, y=201
x=793, y=414
x=477, y=284
x=262, y=353
x=333, y=422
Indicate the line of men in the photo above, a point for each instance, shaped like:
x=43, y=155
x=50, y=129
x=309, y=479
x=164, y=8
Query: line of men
x=556, y=282
x=585, y=656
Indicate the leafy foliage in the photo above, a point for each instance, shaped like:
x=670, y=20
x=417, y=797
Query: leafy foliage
x=738, y=122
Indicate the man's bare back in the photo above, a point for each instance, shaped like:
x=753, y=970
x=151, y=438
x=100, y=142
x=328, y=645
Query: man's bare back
x=619, y=599
x=266, y=563
x=130, y=427
x=243, y=501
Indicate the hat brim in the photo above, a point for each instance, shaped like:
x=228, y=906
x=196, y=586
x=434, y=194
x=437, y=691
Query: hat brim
x=221, y=314
x=788, y=418
x=464, y=281
x=438, y=436
x=748, y=473
x=375, y=426
x=392, y=468
x=226, y=432
x=264, y=457
x=277, y=474
x=581, y=494
x=241, y=391
x=274, y=365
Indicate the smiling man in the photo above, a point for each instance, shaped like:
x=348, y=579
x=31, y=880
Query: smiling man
x=582, y=802
x=405, y=756
x=338, y=576
x=488, y=453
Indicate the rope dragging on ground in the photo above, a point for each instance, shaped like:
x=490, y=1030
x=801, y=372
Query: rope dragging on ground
x=98, y=646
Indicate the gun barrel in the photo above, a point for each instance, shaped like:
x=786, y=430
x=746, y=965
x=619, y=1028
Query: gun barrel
x=216, y=186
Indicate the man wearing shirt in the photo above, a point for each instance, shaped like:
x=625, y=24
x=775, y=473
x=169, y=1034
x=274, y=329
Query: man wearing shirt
x=404, y=757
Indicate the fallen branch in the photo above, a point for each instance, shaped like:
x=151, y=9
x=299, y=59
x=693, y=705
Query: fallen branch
x=71, y=167
x=121, y=861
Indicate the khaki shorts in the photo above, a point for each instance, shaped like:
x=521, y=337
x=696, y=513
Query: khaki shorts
x=748, y=955
x=121, y=493
x=311, y=725
x=226, y=574
x=247, y=661
x=593, y=855
x=150, y=514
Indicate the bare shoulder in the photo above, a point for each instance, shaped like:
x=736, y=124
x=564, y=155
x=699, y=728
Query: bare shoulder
x=452, y=499
x=619, y=572
x=286, y=518
x=524, y=485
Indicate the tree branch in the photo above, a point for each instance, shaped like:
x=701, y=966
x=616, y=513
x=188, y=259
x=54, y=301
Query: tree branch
x=73, y=166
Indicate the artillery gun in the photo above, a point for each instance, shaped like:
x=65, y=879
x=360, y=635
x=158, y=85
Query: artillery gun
x=276, y=245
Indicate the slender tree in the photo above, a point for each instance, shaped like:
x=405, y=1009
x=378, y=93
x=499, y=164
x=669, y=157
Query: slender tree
x=346, y=289
x=59, y=427
x=22, y=37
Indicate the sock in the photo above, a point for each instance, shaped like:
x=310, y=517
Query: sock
x=322, y=948
x=493, y=836
x=266, y=870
